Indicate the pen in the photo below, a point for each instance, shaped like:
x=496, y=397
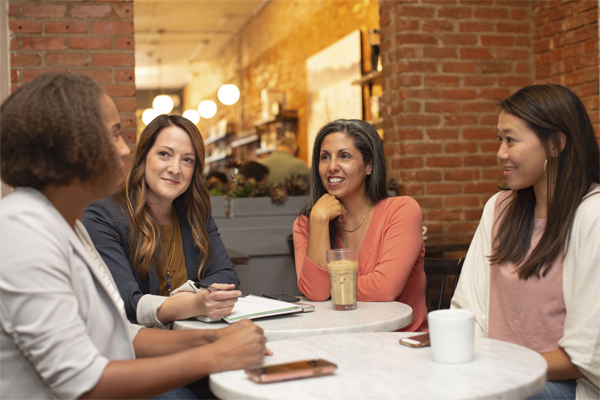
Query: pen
x=207, y=287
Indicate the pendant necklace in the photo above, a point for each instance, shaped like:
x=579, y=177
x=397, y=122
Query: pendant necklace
x=169, y=269
x=361, y=221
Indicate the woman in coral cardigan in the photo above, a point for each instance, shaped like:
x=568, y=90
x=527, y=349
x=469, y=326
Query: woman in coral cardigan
x=349, y=208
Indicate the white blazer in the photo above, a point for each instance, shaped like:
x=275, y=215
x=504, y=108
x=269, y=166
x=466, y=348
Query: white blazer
x=61, y=315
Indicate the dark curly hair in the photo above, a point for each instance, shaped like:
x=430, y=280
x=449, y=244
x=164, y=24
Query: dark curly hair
x=53, y=131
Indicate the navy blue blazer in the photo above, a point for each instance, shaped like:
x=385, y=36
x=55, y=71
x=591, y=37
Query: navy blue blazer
x=108, y=227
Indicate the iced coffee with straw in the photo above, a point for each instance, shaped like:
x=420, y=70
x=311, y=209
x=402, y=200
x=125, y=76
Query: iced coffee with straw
x=342, y=265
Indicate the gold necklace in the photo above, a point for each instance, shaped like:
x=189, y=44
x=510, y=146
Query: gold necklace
x=361, y=221
x=541, y=214
x=169, y=268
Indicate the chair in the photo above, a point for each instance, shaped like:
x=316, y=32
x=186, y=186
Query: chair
x=290, y=242
x=443, y=267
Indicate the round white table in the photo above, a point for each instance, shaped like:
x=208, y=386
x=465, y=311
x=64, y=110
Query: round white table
x=368, y=317
x=376, y=366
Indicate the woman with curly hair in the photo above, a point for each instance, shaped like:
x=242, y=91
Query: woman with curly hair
x=157, y=235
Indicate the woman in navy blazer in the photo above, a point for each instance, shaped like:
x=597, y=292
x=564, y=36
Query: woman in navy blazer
x=157, y=235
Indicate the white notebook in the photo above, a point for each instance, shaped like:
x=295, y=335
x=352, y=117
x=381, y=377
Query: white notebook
x=252, y=307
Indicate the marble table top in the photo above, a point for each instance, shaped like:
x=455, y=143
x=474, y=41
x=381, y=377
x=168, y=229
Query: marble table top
x=376, y=366
x=368, y=317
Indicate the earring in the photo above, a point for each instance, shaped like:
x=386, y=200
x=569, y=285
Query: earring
x=545, y=165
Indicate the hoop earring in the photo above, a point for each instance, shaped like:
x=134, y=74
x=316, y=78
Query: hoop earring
x=545, y=165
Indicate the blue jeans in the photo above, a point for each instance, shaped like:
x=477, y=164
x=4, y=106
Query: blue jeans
x=557, y=390
x=176, y=394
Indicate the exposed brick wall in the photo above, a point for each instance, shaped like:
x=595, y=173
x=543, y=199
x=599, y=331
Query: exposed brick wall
x=445, y=63
x=566, y=48
x=93, y=38
x=273, y=54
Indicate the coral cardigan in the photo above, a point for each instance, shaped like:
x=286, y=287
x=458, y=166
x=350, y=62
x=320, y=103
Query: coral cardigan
x=390, y=260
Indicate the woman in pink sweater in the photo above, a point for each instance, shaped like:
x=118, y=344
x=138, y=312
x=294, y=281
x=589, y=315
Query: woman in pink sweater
x=349, y=208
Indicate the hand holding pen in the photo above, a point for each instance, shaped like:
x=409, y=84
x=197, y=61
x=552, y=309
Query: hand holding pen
x=218, y=299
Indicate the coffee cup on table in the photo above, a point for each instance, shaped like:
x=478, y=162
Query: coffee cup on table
x=342, y=265
x=451, y=333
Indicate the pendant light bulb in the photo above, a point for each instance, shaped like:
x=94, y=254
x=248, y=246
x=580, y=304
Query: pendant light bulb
x=228, y=94
x=192, y=115
x=207, y=109
x=148, y=115
x=163, y=104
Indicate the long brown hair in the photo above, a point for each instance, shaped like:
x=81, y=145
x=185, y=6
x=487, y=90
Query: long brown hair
x=144, y=232
x=549, y=111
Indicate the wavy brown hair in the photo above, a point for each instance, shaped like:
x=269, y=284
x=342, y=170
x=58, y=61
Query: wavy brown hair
x=145, y=234
x=548, y=110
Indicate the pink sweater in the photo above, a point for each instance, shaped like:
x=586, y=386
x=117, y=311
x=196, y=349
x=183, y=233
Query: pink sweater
x=390, y=260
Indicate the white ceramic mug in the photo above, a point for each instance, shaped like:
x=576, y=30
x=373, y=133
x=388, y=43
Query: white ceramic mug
x=451, y=333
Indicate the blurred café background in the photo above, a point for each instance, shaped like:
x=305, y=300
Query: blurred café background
x=425, y=73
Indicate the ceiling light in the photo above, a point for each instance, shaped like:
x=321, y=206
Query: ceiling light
x=192, y=115
x=207, y=109
x=163, y=104
x=148, y=115
x=228, y=94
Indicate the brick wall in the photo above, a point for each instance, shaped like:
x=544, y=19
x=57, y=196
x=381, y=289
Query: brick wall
x=445, y=63
x=273, y=50
x=566, y=48
x=93, y=38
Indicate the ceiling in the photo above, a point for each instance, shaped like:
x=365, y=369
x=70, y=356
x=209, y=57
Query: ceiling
x=173, y=38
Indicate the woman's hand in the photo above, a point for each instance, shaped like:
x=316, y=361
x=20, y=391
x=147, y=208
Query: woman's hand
x=217, y=304
x=327, y=208
x=240, y=345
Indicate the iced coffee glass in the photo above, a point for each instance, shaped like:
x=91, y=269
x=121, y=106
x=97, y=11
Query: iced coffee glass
x=342, y=265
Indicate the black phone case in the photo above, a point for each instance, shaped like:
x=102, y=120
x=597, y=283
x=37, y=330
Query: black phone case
x=282, y=297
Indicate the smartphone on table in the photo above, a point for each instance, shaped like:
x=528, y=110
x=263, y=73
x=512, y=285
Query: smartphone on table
x=292, y=370
x=416, y=341
x=282, y=297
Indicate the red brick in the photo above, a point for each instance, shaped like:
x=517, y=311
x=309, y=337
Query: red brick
x=437, y=26
x=523, y=41
x=487, y=40
x=459, y=39
x=518, y=14
x=412, y=107
x=442, y=107
x=116, y=27
x=552, y=15
x=503, y=27
x=478, y=133
x=414, y=38
x=513, y=54
x=541, y=45
x=407, y=162
x=14, y=43
x=420, y=176
x=13, y=10
x=65, y=27
x=97, y=74
x=443, y=215
x=113, y=59
x=591, y=45
x=587, y=75
x=25, y=26
x=515, y=81
x=127, y=119
x=79, y=59
x=124, y=75
x=475, y=54
x=412, y=190
x=15, y=75
x=130, y=137
x=481, y=160
x=124, y=11
x=88, y=42
x=491, y=13
x=441, y=81
x=29, y=74
x=407, y=52
x=476, y=2
x=489, y=147
x=481, y=187
x=461, y=67
x=437, y=134
x=122, y=90
x=409, y=80
x=14, y=88
x=124, y=43
x=437, y=52
x=472, y=214
x=86, y=11
x=419, y=148
x=24, y=59
x=461, y=201
x=459, y=94
x=455, y=13
x=418, y=120
x=490, y=119
x=410, y=134
x=476, y=27
x=416, y=67
x=460, y=147
x=461, y=174
x=493, y=174
x=443, y=161
x=456, y=119
x=407, y=25
x=39, y=11
x=430, y=202
x=479, y=80
x=478, y=106
x=443, y=188
x=495, y=67
x=419, y=12
x=418, y=94
x=521, y=68
x=44, y=43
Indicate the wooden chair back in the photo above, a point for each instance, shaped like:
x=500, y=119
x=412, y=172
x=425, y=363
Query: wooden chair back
x=442, y=267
